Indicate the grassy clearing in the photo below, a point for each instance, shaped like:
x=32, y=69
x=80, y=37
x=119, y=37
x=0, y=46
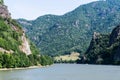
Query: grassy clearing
x=72, y=57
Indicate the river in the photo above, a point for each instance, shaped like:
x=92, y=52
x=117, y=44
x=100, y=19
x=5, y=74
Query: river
x=64, y=72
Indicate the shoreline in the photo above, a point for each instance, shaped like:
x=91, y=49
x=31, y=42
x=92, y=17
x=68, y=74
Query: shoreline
x=23, y=68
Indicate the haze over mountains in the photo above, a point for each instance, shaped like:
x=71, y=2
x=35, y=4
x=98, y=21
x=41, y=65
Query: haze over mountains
x=72, y=32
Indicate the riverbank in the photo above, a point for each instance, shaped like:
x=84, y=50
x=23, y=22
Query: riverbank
x=22, y=68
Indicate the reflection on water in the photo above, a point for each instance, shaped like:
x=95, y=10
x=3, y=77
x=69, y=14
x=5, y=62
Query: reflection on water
x=64, y=72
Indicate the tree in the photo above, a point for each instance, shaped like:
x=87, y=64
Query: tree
x=1, y=2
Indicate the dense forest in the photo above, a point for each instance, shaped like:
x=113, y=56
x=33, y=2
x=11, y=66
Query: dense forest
x=103, y=49
x=16, y=60
x=72, y=32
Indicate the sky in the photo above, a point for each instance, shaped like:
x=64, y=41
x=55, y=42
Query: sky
x=31, y=9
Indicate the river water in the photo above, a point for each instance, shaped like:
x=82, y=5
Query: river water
x=64, y=72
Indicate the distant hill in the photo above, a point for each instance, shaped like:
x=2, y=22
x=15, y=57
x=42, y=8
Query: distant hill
x=104, y=49
x=72, y=32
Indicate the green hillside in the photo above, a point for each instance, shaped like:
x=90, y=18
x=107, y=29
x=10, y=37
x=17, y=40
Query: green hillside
x=104, y=49
x=15, y=49
x=55, y=35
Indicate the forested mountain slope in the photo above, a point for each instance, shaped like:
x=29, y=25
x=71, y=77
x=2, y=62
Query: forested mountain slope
x=72, y=32
x=104, y=49
x=15, y=49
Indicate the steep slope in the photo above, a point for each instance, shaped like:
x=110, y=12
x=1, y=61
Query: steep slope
x=11, y=34
x=105, y=49
x=15, y=49
x=73, y=31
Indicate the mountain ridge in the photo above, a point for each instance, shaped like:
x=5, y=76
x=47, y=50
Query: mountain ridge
x=73, y=31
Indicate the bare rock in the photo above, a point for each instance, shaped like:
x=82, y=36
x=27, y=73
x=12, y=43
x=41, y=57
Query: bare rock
x=4, y=13
x=25, y=47
x=96, y=35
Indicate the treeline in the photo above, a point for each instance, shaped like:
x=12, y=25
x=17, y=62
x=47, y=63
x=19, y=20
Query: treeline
x=21, y=60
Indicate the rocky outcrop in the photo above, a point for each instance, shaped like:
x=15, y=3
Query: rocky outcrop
x=15, y=47
x=96, y=35
x=4, y=11
x=25, y=47
x=104, y=49
x=5, y=51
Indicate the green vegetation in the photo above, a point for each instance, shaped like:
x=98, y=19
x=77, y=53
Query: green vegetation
x=10, y=54
x=46, y=60
x=96, y=47
x=1, y=2
x=104, y=49
x=9, y=37
x=56, y=35
x=21, y=60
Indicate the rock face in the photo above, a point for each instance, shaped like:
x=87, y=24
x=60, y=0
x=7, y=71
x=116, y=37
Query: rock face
x=25, y=47
x=4, y=11
x=104, y=49
x=3, y=50
x=96, y=35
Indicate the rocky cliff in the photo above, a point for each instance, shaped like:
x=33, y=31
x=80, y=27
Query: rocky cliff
x=13, y=27
x=104, y=49
x=25, y=47
x=4, y=11
x=15, y=49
